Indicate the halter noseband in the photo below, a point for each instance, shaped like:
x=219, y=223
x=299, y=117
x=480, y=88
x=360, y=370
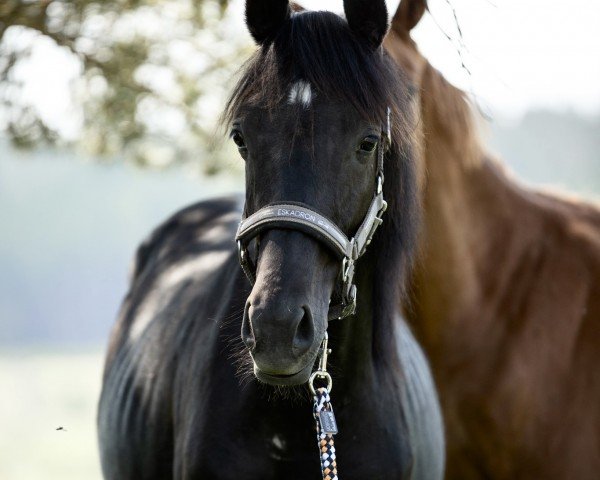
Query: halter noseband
x=298, y=216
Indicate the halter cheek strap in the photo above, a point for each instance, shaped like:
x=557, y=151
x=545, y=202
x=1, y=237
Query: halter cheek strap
x=298, y=216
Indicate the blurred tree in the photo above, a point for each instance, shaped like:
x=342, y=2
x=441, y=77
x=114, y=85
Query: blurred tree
x=152, y=73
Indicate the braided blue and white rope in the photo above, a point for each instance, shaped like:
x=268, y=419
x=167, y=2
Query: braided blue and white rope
x=322, y=402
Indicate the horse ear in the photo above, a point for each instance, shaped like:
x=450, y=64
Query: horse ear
x=368, y=19
x=408, y=15
x=264, y=18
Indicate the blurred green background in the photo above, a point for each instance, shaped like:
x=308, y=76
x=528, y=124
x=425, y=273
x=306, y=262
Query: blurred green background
x=108, y=124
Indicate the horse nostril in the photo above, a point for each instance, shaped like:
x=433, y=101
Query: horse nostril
x=305, y=333
x=247, y=331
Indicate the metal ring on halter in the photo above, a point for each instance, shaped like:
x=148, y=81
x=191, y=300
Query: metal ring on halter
x=320, y=374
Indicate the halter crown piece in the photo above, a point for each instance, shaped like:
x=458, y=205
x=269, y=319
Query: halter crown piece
x=299, y=216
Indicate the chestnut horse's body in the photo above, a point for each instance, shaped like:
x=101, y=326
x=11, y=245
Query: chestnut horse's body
x=505, y=298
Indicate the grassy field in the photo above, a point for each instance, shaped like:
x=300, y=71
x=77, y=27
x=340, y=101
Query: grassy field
x=41, y=391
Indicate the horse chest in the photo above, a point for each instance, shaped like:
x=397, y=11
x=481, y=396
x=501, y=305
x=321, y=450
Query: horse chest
x=358, y=458
x=285, y=445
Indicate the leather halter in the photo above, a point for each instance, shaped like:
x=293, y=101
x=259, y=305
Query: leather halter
x=298, y=216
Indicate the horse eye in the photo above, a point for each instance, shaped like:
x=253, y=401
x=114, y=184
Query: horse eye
x=368, y=145
x=238, y=139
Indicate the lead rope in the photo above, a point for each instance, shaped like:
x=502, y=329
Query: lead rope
x=326, y=446
x=324, y=417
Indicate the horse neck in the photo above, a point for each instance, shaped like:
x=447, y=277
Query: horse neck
x=360, y=357
x=468, y=207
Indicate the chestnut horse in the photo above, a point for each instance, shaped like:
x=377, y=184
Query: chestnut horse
x=505, y=297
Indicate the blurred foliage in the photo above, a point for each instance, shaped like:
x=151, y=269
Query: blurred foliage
x=153, y=73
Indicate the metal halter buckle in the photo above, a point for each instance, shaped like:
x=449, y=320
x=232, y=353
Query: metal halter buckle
x=348, y=288
x=242, y=252
x=378, y=220
x=245, y=262
x=321, y=371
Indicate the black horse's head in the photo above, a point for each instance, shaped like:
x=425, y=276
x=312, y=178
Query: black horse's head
x=307, y=117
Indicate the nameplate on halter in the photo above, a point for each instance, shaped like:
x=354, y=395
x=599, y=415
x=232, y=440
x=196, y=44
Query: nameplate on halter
x=284, y=212
x=309, y=217
x=328, y=423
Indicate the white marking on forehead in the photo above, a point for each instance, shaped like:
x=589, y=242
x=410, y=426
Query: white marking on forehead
x=278, y=442
x=300, y=93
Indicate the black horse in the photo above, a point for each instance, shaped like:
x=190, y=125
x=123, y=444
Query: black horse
x=179, y=400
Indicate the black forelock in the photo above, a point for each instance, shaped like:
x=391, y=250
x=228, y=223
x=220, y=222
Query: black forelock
x=320, y=48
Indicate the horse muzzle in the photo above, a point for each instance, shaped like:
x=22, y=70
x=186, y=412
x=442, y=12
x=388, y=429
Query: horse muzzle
x=286, y=313
x=281, y=340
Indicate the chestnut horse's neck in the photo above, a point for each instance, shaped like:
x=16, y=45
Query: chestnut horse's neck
x=504, y=297
x=469, y=215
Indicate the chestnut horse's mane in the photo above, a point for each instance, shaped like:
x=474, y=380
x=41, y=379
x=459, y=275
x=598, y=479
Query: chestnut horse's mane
x=451, y=113
x=447, y=108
